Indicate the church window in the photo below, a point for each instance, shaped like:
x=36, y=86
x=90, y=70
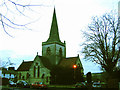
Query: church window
x=34, y=70
x=27, y=76
x=48, y=51
x=20, y=76
x=38, y=70
x=60, y=51
x=36, y=64
x=43, y=76
x=47, y=79
x=23, y=77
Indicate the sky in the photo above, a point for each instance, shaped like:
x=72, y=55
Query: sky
x=73, y=16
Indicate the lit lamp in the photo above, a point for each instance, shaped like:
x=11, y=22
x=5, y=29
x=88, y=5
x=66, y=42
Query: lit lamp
x=74, y=66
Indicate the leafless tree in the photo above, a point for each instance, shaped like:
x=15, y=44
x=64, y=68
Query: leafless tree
x=9, y=8
x=101, y=44
x=7, y=63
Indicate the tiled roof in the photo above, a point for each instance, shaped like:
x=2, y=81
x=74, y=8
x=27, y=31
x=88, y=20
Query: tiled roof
x=45, y=62
x=65, y=62
x=25, y=66
x=68, y=62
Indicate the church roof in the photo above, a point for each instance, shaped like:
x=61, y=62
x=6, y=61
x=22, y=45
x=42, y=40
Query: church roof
x=68, y=62
x=25, y=66
x=54, y=34
x=45, y=61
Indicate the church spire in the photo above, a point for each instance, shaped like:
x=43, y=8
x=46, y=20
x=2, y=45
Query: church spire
x=54, y=34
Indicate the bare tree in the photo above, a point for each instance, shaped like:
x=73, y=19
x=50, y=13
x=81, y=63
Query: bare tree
x=9, y=8
x=7, y=63
x=102, y=40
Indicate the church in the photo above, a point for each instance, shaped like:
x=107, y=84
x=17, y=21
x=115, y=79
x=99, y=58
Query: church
x=53, y=55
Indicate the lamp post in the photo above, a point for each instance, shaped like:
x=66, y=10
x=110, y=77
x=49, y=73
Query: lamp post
x=74, y=66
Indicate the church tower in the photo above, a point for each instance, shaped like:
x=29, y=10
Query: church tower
x=53, y=48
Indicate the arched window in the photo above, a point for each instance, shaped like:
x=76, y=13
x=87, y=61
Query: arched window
x=48, y=51
x=36, y=63
x=23, y=77
x=47, y=79
x=38, y=70
x=19, y=75
x=34, y=71
x=60, y=51
x=43, y=76
x=27, y=76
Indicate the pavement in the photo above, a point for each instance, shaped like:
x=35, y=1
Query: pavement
x=49, y=86
x=62, y=86
x=55, y=87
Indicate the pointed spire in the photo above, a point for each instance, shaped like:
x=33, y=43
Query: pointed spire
x=54, y=34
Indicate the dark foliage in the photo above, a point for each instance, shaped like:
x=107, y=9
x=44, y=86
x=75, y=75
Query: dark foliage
x=60, y=75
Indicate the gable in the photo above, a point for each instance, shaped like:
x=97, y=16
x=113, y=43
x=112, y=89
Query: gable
x=42, y=61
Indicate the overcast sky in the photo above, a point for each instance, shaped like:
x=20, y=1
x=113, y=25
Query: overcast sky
x=72, y=17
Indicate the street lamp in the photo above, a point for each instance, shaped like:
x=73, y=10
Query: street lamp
x=74, y=66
